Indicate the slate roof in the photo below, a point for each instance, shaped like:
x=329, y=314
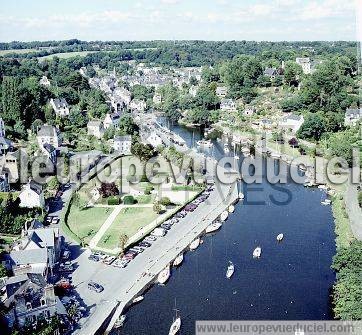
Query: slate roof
x=125, y=138
x=25, y=257
x=47, y=130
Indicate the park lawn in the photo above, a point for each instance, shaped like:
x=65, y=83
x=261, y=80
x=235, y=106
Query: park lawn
x=128, y=222
x=85, y=223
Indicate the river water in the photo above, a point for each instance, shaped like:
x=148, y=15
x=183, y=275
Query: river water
x=291, y=281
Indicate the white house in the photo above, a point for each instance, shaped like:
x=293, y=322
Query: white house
x=291, y=122
x=352, y=116
x=123, y=94
x=122, y=144
x=60, y=107
x=44, y=81
x=249, y=111
x=227, y=105
x=95, y=128
x=111, y=119
x=221, y=91
x=138, y=105
x=157, y=98
x=48, y=135
x=32, y=195
x=305, y=63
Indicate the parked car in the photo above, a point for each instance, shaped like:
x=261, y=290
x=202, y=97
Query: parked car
x=165, y=226
x=93, y=258
x=93, y=286
x=109, y=260
x=55, y=220
x=145, y=244
x=150, y=238
x=137, y=250
x=158, y=232
x=66, y=254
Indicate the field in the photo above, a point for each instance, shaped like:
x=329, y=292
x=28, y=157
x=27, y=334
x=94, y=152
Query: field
x=67, y=54
x=18, y=51
x=85, y=223
x=128, y=222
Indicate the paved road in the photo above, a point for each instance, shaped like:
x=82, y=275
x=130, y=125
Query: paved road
x=353, y=210
x=121, y=285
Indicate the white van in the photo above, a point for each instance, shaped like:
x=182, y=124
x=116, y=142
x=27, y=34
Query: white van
x=159, y=232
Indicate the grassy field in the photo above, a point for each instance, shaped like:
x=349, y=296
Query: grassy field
x=17, y=51
x=67, y=54
x=128, y=222
x=85, y=223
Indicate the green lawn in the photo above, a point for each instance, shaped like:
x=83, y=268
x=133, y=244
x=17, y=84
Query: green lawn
x=67, y=54
x=17, y=51
x=85, y=223
x=128, y=222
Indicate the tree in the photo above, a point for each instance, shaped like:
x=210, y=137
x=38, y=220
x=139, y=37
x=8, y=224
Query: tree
x=165, y=201
x=157, y=208
x=128, y=200
x=10, y=102
x=293, y=142
x=143, y=151
x=313, y=127
x=292, y=72
x=3, y=271
x=108, y=190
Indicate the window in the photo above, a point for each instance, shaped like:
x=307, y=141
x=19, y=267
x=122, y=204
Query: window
x=42, y=302
x=28, y=305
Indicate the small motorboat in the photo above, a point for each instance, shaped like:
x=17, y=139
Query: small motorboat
x=178, y=260
x=230, y=270
x=175, y=327
x=231, y=209
x=138, y=299
x=213, y=227
x=257, y=252
x=194, y=244
x=204, y=143
x=120, y=321
x=241, y=195
x=326, y=202
x=280, y=237
x=224, y=215
x=236, y=157
x=164, y=275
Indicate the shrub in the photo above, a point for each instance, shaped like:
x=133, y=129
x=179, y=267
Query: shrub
x=360, y=198
x=108, y=190
x=128, y=200
x=165, y=201
x=149, y=189
x=113, y=201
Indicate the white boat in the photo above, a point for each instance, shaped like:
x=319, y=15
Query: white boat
x=120, y=321
x=322, y=187
x=245, y=151
x=326, y=202
x=164, y=275
x=178, y=260
x=257, y=252
x=280, y=237
x=194, y=244
x=224, y=215
x=175, y=327
x=138, y=299
x=241, y=195
x=204, y=143
x=226, y=150
x=213, y=227
x=230, y=270
x=236, y=157
x=231, y=209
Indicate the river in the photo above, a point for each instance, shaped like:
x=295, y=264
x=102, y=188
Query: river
x=291, y=281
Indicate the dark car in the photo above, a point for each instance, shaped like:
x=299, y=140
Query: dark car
x=94, y=258
x=165, y=226
x=145, y=244
x=93, y=286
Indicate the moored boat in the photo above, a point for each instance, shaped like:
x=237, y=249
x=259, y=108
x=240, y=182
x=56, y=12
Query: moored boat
x=175, y=327
x=138, y=299
x=213, y=227
x=178, y=260
x=241, y=195
x=164, y=275
x=120, y=321
x=280, y=237
x=204, y=143
x=257, y=252
x=224, y=215
x=194, y=244
x=231, y=209
x=230, y=270
x=326, y=202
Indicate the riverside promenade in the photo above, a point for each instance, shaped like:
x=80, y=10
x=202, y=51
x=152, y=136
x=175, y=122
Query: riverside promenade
x=122, y=285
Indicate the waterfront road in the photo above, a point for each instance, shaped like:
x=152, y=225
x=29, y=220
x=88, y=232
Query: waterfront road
x=121, y=285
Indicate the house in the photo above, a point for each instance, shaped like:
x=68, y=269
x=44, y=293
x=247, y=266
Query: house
x=122, y=144
x=29, y=298
x=157, y=99
x=227, y=105
x=38, y=251
x=5, y=144
x=249, y=111
x=221, y=91
x=111, y=119
x=291, y=122
x=138, y=105
x=352, y=116
x=60, y=107
x=305, y=63
x=123, y=94
x=44, y=81
x=50, y=152
x=32, y=195
x=270, y=72
x=95, y=128
x=265, y=124
x=50, y=135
